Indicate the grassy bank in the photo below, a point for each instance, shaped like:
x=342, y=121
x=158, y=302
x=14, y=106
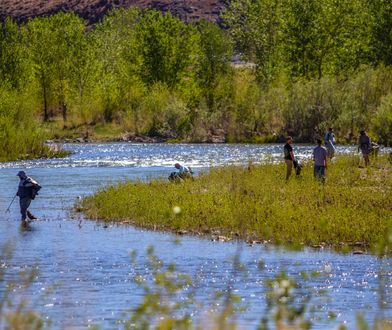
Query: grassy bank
x=353, y=208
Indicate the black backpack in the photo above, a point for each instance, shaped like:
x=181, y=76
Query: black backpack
x=35, y=189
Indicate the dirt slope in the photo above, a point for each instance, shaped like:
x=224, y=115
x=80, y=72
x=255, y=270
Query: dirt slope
x=94, y=10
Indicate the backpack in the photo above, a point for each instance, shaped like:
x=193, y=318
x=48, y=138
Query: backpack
x=298, y=167
x=34, y=191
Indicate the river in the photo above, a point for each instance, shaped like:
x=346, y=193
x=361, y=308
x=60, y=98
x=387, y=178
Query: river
x=85, y=276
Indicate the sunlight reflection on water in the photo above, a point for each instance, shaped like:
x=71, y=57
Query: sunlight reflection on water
x=165, y=155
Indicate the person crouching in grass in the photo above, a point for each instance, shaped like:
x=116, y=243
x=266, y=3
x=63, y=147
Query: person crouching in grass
x=320, y=155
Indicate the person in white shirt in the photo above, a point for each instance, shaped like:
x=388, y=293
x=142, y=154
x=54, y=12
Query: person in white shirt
x=184, y=172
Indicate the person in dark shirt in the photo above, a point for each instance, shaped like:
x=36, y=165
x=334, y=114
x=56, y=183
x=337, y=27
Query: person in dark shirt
x=27, y=190
x=365, y=145
x=289, y=156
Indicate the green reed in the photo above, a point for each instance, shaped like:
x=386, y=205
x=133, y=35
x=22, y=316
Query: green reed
x=352, y=209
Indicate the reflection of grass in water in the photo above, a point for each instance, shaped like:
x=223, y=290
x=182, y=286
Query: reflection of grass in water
x=353, y=208
x=168, y=301
x=14, y=313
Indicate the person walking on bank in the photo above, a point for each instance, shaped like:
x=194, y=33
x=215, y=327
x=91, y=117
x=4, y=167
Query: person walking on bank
x=27, y=190
x=365, y=145
x=320, y=161
x=289, y=156
x=329, y=143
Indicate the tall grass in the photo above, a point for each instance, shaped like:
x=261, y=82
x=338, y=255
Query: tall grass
x=353, y=207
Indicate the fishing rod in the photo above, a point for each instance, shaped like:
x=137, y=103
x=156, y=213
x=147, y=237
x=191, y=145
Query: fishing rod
x=8, y=209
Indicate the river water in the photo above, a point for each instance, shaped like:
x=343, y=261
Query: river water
x=85, y=276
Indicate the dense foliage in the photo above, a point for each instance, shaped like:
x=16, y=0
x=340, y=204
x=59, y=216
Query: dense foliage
x=306, y=65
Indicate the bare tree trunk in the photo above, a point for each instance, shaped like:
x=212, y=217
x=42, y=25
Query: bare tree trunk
x=44, y=91
x=63, y=109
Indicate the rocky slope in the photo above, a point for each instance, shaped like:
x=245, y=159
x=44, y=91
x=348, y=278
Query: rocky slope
x=94, y=10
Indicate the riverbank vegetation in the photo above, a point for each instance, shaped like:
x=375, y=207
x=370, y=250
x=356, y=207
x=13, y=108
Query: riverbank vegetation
x=303, y=67
x=20, y=133
x=351, y=210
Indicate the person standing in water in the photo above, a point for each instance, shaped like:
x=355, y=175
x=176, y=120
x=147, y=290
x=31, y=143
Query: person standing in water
x=27, y=190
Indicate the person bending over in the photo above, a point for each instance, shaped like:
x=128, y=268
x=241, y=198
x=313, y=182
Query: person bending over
x=184, y=172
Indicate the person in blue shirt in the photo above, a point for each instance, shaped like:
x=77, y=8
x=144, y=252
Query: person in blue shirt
x=320, y=161
x=329, y=142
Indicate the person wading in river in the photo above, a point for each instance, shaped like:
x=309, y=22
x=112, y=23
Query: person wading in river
x=27, y=190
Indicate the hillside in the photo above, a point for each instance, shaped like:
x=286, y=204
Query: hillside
x=94, y=10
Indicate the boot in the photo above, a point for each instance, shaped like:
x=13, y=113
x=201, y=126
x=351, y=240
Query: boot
x=31, y=216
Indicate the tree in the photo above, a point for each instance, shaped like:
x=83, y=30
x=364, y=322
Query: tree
x=68, y=43
x=381, y=34
x=53, y=44
x=117, y=51
x=38, y=36
x=256, y=29
x=14, y=67
x=169, y=49
x=301, y=37
x=328, y=37
x=382, y=121
x=217, y=51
